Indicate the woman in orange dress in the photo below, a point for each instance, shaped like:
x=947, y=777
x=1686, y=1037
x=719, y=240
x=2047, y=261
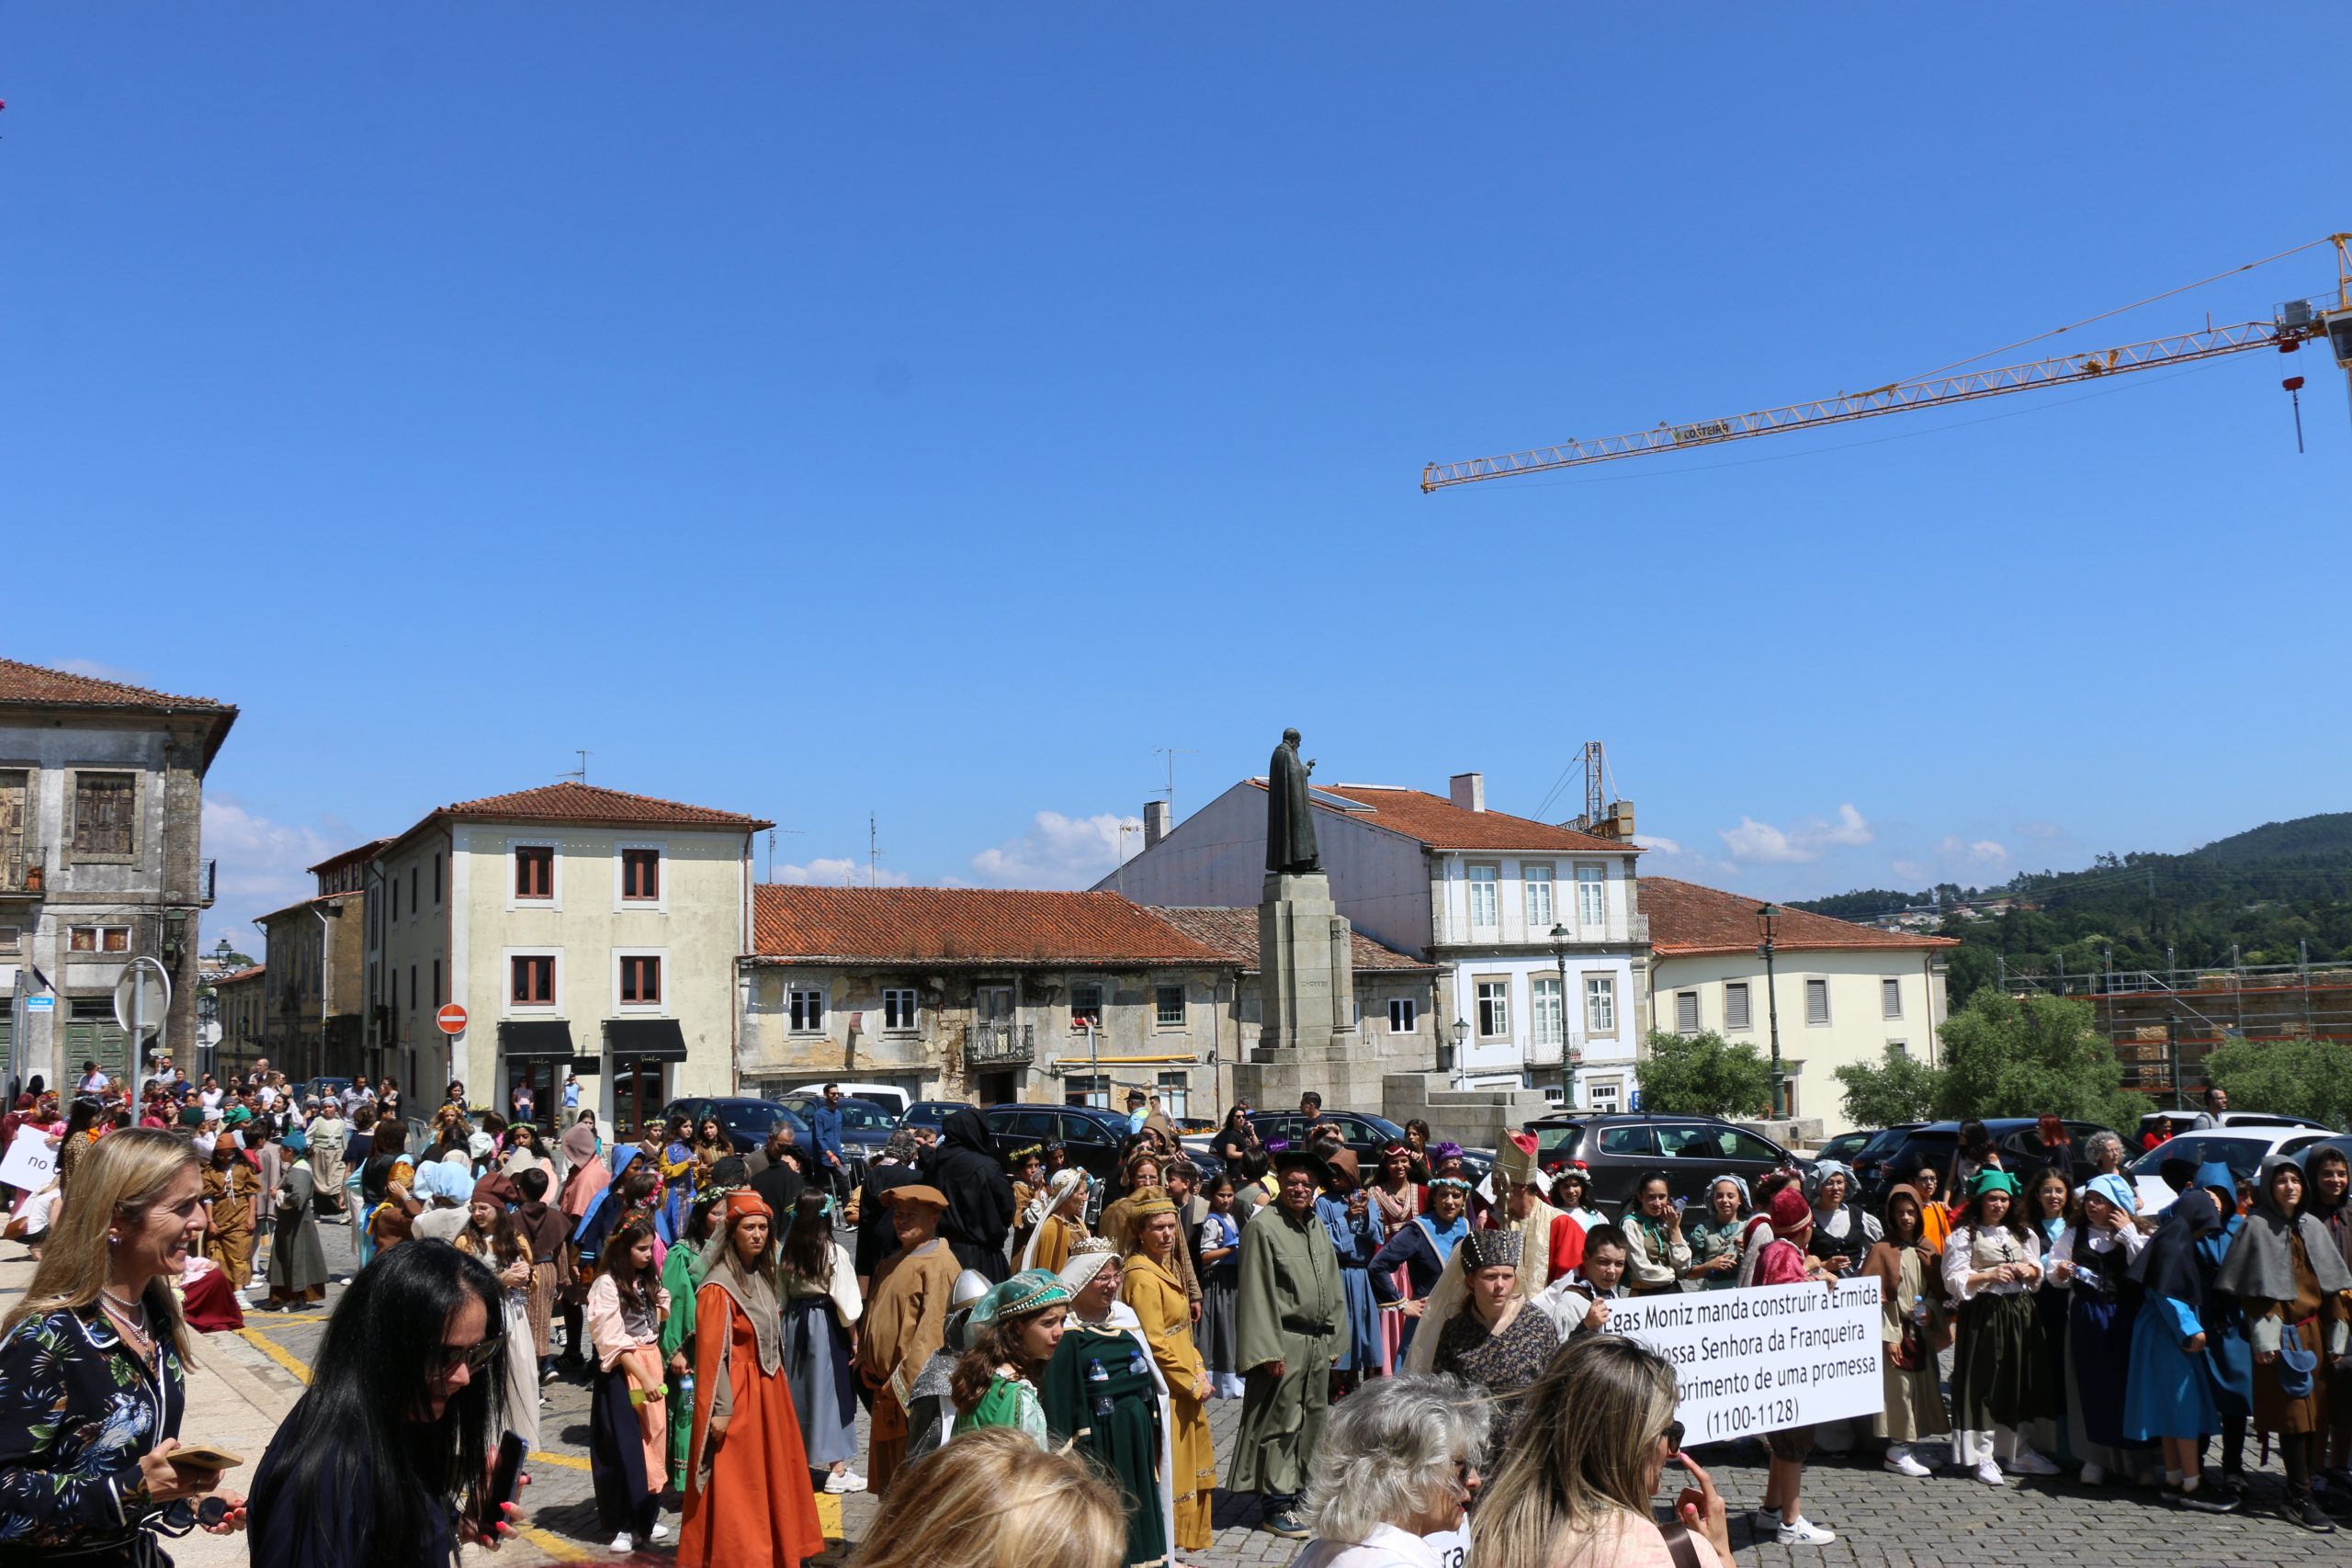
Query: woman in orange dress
x=748, y=1495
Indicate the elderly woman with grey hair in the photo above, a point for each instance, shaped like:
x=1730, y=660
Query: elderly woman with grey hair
x=1398, y=1463
x=2104, y=1151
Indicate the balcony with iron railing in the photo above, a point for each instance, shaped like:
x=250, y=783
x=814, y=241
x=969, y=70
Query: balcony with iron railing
x=987, y=1044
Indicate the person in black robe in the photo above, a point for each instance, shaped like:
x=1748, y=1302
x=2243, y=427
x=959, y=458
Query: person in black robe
x=979, y=1194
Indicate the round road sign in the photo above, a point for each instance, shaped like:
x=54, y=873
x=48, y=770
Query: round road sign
x=451, y=1018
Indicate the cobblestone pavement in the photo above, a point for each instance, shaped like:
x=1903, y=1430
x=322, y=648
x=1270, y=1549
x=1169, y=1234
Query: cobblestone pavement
x=1881, y=1520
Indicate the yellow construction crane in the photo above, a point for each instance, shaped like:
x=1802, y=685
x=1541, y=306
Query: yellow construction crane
x=2293, y=324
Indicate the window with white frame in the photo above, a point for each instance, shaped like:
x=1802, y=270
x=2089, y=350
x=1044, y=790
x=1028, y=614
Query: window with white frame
x=1599, y=1004
x=1890, y=999
x=899, y=1008
x=1483, y=906
x=807, y=1009
x=1540, y=917
x=1592, y=896
x=1494, y=1009
x=1176, y=1094
x=1735, y=1015
x=1606, y=1097
x=1686, y=1012
x=1817, y=1001
x=1168, y=1006
x=1546, y=1011
x=1080, y=1089
x=1404, y=1015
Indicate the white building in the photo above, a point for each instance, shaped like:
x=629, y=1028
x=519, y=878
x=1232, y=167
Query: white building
x=1480, y=894
x=1846, y=993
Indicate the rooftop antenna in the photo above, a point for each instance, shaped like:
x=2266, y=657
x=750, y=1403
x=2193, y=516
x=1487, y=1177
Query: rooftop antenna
x=580, y=773
x=771, y=833
x=1171, y=753
x=873, y=855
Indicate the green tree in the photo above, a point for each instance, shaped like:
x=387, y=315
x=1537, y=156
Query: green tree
x=1879, y=1094
x=2006, y=1056
x=2291, y=1077
x=1702, y=1075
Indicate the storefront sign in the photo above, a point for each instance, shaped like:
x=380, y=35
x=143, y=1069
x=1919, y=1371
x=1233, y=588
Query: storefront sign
x=1759, y=1360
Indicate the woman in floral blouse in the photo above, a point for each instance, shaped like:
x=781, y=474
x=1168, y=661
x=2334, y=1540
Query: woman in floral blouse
x=91, y=1386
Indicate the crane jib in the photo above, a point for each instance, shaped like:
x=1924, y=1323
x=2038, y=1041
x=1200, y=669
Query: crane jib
x=1932, y=392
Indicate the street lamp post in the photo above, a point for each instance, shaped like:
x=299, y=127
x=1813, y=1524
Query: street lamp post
x=1765, y=918
x=1560, y=959
x=1461, y=1032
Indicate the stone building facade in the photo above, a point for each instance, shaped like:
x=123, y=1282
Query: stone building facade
x=101, y=861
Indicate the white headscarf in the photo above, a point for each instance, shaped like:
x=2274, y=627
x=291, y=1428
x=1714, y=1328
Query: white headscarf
x=1056, y=1192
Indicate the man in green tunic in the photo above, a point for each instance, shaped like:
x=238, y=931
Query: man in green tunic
x=1291, y=1307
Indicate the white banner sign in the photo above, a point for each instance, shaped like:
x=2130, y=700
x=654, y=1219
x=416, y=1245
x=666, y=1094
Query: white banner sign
x=30, y=1162
x=1758, y=1360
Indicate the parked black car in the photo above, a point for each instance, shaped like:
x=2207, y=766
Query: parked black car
x=746, y=1122
x=1092, y=1137
x=1844, y=1146
x=1367, y=1135
x=931, y=1115
x=1691, y=1150
x=2018, y=1138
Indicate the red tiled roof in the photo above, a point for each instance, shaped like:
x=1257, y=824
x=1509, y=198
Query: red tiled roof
x=363, y=852
x=253, y=974
x=1687, y=919
x=1233, y=933
x=571, y=802
x=1442, y=824
x=31, y=683
x=302, y=903
x=968, y=925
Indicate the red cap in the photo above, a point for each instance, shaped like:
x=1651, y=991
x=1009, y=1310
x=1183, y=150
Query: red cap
x=1790, y=1212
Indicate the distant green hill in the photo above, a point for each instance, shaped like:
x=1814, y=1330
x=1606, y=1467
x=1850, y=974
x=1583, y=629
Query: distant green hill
x=2275, y=893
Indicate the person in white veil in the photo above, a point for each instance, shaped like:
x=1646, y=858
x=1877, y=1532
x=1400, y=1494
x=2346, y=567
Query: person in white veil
x=1055, y=1222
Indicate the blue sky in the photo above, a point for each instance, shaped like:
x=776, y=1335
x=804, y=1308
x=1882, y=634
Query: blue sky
x=930, y=410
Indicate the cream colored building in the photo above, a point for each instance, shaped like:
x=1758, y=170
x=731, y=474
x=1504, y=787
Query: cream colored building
x=584, y=930
x=1847, y=993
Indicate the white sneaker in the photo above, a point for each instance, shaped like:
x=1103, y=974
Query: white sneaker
x=622, y=1546
x=1990, y=1474
x=660, y=1531
x=2027, y=1462
x=1899, y=1460
x=2094, y=1474
x=841, y=1481
x=1804, y=1532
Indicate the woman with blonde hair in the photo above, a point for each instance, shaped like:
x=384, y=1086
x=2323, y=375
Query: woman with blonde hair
x=1593, y=1440
x=993, y=1499
x=92, y=1379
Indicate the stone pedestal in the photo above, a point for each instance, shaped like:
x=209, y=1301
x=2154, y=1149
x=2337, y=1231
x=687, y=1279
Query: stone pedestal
x=1305, y=947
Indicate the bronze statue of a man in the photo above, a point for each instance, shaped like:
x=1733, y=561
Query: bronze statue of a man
x=1290, y=816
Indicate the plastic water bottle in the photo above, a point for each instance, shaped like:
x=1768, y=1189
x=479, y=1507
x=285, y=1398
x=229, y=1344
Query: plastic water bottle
x=687, y=1391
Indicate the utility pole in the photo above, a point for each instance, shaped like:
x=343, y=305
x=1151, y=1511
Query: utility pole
x=1765, y=918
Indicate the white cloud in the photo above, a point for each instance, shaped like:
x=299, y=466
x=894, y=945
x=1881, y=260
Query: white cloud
x=839, y=872
x=1652, y=841
x=1912, y=871
x=263, y=867
x=1058, y=852
x=1982, y=852
x=1760, y=844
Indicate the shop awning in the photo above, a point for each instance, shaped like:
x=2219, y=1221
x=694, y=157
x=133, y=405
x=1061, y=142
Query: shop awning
x=538, y=1038
x=644, y=1040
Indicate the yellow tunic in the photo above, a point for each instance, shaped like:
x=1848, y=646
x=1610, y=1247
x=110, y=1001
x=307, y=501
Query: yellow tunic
x=1158, y=1300
x=906, y=1323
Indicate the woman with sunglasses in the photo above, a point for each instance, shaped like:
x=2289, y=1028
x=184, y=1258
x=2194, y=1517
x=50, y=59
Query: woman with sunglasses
x=385, y=1458
x=1594, y=1439
x=90, y=1385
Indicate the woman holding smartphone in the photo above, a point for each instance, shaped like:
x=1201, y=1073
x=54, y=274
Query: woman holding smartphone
x=91, y=1383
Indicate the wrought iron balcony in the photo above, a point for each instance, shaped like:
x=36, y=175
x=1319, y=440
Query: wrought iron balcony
x=988, y=1043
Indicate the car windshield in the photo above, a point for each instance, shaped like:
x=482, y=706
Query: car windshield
x=864, y=1116
x=2243, y=1156
x=1549, y=1138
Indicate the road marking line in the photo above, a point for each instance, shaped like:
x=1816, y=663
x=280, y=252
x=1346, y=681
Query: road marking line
x=555, y=1545
x=566, y=1461
x=271, y=1349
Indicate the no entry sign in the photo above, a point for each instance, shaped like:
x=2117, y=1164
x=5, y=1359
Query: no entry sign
x=451, y=1018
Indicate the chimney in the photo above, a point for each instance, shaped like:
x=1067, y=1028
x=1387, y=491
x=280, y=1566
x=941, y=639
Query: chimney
x=1155, y=821
x=1467, y=791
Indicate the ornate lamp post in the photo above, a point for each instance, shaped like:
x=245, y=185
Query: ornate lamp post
x=1764, y=919
x=1560, y=939
x=1461, y=1032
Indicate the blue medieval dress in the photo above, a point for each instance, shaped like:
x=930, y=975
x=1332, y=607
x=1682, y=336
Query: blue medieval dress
x=1356, y=1238
x=2170, y=1390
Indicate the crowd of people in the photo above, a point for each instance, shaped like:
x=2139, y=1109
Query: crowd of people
x=1389, y=1335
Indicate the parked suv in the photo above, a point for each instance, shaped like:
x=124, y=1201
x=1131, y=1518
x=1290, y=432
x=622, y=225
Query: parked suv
x=1366, y=1135
x=1935, y=1142
x=1092, y=1136
x=745, y=1121
x=1691, y=1150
